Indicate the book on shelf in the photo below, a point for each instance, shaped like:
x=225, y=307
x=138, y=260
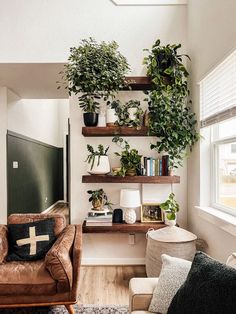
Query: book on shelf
x=98, y=220
x=98, y=224
x=155, y=166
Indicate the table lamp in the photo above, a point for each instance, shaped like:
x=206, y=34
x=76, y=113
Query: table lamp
x=129, y=199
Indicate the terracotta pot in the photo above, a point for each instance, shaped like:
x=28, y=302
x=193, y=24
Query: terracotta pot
x=97, y=204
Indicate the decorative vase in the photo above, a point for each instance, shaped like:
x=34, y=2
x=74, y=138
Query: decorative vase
x=131, y=172
x=130, y=215
x=169, y=222
x=97, y=204
x=101, y=166
x=171, y=172
x=132, y=112
x=111, y=117
x=90, y=118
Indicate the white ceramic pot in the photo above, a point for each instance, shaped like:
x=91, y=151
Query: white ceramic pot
x=111, y=117
x=168, y=222
x=130, y=215
x=171, y=172
x=132, y=112
x=102, y=168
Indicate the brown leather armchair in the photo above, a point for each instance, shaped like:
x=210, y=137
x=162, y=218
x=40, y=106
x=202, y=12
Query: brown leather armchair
x=51, y=281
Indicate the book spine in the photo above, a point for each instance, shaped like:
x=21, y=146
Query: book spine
x=163, y=165
x=160, y=168
x=148, y=166
x=145, y=166
x=151, y=166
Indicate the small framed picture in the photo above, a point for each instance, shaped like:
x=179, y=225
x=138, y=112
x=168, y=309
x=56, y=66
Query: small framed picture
x=151, y=213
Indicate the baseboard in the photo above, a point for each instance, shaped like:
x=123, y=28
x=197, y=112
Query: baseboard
x=112, y=261
x=49, y=208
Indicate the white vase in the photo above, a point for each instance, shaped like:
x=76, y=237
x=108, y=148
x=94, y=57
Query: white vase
x=111, y=117
x=130, y=215
x=101, y=167
x=132, y=112
x=168, y=222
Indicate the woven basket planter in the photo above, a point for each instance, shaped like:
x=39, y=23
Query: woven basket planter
x=172, y=241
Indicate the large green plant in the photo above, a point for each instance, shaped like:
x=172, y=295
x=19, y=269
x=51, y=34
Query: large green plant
x=95, y=69
x=170, y=117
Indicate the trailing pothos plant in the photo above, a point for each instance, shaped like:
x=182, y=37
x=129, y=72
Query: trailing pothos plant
x=101, y=151
x=170, y=206
x=95, y=69
x=170, y=115
x=129, y=157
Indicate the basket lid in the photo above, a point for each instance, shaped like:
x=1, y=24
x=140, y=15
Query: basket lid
x=171, y=234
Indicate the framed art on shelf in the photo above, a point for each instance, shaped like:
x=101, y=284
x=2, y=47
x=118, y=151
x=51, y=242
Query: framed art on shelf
x=151, y=213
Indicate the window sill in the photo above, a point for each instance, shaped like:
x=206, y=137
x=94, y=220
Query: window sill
x=220, y=219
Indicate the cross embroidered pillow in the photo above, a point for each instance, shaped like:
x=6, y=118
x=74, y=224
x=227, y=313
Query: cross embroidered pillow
x=30, y=241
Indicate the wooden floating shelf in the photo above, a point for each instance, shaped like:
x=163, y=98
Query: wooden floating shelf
x=113, y=130
x=138, y=83
x=130, y=179
x=137, y=227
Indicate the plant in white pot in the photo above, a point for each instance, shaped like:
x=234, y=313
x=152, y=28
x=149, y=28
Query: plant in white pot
x=135, y=113
x=112, y=112
x=170, y=208
x=98, y=161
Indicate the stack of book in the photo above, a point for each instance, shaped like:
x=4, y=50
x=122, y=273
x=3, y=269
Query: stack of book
x=155, y=166
x=99, y=220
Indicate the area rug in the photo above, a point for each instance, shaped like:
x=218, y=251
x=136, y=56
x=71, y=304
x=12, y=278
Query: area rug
x=79, y=309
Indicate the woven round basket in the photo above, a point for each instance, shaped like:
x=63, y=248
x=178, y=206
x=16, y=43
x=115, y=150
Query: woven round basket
x=172, y=241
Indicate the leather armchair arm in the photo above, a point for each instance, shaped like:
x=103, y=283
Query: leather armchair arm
x=58, y=259
x=3, y=243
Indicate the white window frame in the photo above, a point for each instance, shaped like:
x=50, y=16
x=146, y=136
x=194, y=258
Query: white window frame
x=214, y=169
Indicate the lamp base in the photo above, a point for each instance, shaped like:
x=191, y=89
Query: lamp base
x=130, y=216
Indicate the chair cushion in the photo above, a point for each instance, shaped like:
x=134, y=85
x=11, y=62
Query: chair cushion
x=26, y=278
x=30, y=241
x=231, y=261
x=173, y=274
x=209, y=288
x=58, y=260
x=60, y=221
x=3, y=243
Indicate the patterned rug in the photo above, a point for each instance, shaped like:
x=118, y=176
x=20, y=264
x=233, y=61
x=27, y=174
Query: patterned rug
x=79, y=309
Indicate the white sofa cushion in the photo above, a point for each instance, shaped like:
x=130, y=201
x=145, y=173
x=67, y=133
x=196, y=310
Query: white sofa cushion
x=173, y=274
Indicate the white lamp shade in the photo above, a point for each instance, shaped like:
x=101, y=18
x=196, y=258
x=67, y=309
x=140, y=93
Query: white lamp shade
x=129, y=198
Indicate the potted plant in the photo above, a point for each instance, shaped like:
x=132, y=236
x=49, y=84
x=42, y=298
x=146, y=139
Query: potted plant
x=129, y=158
x=170, y=117
x=95, y=69
x=98, y=161
x=170, y=208
x=98, y=198
x=135, y=113
x=112, y=112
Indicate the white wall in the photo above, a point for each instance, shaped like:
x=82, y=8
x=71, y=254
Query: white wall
x=211, y=36
x=44, y=120
x=3, y=155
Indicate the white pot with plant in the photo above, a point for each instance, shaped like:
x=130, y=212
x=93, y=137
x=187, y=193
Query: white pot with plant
x=135, y=113
x=112, y=108
x=98, y=161
x=170, y=208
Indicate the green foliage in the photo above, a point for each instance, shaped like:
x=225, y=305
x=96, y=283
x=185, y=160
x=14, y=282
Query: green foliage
x=92, y=154
x=170, y=206
x=95, y=69
x=100, y=195
x=123, y=118
x=129, y=158
x=170, y=116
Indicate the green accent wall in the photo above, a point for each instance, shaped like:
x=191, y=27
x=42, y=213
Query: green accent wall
x=37, y=183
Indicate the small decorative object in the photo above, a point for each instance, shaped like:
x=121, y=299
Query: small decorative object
x=98, y=161
x=151, y=213
x=171, y=172
x=99, y=199
x=170, y=207
x=116, y=170
x=102, y=119
x=112, y=112
x=129, y=199
x=129, y=158
x=117, y=216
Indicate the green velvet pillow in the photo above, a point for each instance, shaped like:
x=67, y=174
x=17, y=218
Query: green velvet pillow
x=210, y=288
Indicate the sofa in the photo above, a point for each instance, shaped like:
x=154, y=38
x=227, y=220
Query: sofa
x=141, y=290
x=52, y=280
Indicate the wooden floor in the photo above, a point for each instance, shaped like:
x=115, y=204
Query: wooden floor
x=107, y=284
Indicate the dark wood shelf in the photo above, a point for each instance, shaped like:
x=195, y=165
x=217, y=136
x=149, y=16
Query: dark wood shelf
x=130, y=179
x=137, y=227
x=138, y=83
x=113, y=130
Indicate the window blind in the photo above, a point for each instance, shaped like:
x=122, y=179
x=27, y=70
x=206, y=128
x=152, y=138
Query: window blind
x=218, y=93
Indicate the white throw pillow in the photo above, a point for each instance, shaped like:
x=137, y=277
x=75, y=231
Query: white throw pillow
x=173, y=274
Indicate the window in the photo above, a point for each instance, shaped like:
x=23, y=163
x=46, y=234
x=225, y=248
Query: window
x=218, y=120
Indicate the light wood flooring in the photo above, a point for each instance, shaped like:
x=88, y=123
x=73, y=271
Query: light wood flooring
x=107, y=284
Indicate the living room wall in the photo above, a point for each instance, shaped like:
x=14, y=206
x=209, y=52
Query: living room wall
x=211, y=37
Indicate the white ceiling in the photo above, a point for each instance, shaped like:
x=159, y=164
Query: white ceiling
x=32, y=80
